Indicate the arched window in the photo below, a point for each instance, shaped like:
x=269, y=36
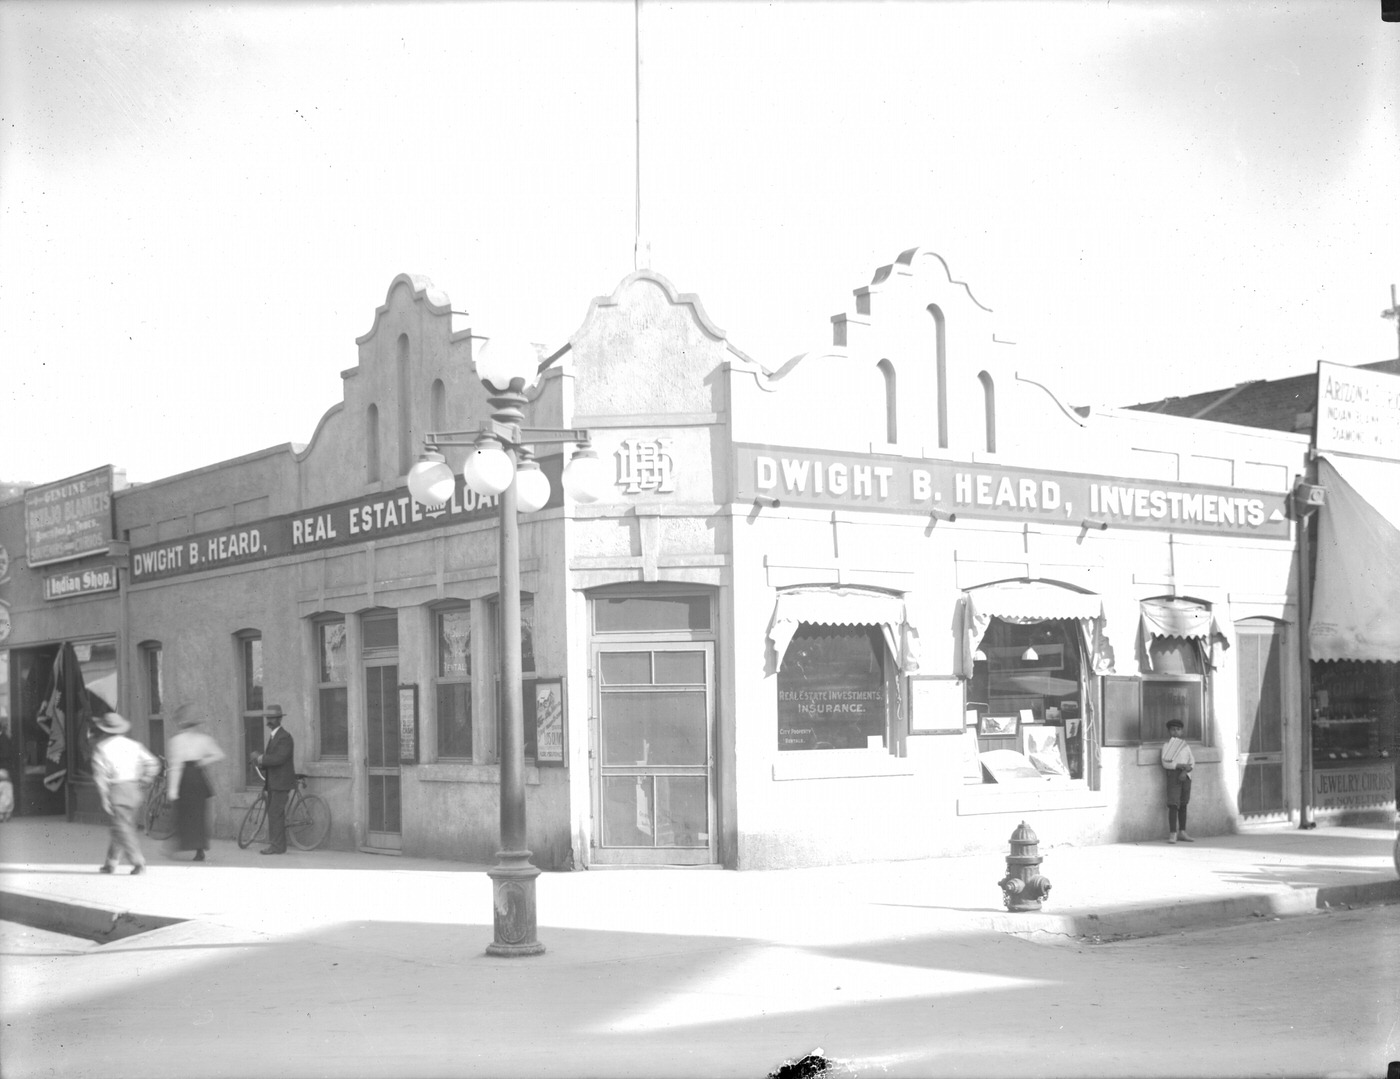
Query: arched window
x=989, y=407
x=372, y=444
x=405, y=402
x=153, y=684
x=891, y=402
x=438, y=399
x=941, y=359
x=248, y=643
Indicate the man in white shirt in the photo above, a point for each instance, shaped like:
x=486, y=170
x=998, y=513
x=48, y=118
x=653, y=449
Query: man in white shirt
x=122, y=769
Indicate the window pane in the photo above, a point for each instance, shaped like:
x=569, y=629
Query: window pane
x=154, y=687
x=627, y=816
x=454, y=717
x=252, y=674
x=1164, y=700
x=381, y=633
x=252, y=743
x=680, y=668
x=651, y=614
x=654, y=728
x=625, y=668
x=335, y=732
x=528, y=715
x=682, y=811
x=1176, y=655
x=455, y=642
x=332, y=652
x=831, y=688
x=527, y=635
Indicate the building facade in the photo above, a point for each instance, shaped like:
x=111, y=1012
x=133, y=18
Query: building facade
x=886, y=600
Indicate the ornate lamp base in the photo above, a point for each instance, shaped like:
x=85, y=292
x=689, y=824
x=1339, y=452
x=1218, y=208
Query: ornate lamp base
x=513, y=894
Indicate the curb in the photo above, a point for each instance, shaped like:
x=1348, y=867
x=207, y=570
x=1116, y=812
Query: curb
x=1197, y=913
x=101, y=925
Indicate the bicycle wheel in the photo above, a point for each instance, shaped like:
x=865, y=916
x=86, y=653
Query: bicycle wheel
x=308, y=822
x=160, y=815
x=254, y=822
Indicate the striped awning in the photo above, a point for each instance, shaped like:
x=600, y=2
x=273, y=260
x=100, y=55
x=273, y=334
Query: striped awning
x=843, y=606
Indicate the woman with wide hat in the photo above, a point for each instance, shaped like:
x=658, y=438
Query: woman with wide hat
x=190, y=753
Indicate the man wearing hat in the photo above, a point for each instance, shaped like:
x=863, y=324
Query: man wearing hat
x=1178, y=761
x=280, y=776
x=122, y=768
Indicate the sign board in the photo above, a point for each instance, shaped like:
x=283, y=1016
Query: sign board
x=408, y=724
x=878, y=482
x=373, y=517
x=549, y=722
x=1357, y=412
x=69, y=519
x=935, y=705
x=1354, y=787
x=80, y=582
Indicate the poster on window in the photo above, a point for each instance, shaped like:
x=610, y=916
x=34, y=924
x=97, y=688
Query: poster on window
x=549, y=719
x=831, y=689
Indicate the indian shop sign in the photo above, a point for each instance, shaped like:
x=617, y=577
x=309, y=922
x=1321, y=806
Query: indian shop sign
x=356, y=521
x=80, y=582
x=902, y=485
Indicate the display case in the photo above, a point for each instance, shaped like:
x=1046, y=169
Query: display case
x=1354, y=712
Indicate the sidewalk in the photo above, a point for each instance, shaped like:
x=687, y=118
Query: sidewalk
x=48, y=869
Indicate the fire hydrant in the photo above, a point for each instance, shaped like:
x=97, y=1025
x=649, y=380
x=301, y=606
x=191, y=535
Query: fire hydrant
x=1023, y=886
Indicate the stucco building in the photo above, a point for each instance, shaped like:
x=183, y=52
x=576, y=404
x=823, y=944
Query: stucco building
x=885, y=600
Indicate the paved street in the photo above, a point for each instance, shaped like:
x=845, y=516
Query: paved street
x=1309, y=995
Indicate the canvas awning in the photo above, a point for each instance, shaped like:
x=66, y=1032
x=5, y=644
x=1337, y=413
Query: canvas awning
x=845, y=606
x=1356, y=591
x=1187, y=619
x=1025, y=602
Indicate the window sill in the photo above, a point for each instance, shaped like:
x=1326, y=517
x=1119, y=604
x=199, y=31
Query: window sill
x=839, y=764
x=467, y=773
x=1151, y=753
x=1002, y=798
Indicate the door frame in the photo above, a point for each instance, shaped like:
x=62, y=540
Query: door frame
x=379, y=840
x=654, y=855
x=1278, y=632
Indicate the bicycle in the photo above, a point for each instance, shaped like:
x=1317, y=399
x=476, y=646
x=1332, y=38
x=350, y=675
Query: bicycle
x=308, y=818
x=159, y=817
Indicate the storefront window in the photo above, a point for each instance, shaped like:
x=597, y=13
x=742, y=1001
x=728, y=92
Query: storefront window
x=332, y=701
x=251, y=679
x=832, y=689
x=1175, y=689
x=454, y=684
x=1027, y=691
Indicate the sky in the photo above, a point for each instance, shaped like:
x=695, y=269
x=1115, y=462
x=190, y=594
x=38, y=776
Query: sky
x=202, y=205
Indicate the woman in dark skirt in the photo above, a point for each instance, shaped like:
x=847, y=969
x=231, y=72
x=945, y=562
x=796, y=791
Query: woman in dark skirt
x=189, y=755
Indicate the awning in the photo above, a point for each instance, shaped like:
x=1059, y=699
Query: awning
x=1025, y=602
x=1356, y=593
x=1184, y=618
x=845, y=606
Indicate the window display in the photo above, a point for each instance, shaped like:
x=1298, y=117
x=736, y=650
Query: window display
x=832, y=691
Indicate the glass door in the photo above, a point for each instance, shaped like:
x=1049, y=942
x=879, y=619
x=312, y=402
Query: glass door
x=1261, y=719
x=653, y=754
x=385, y=829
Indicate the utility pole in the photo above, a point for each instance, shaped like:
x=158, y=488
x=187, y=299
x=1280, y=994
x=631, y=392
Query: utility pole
x=1393, y=313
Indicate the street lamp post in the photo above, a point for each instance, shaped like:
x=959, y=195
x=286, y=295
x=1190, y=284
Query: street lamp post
x=501, y=464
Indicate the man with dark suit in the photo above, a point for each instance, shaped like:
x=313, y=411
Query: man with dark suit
x=280, y=776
